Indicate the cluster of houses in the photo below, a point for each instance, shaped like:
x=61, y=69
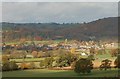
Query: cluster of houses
x=77, y=46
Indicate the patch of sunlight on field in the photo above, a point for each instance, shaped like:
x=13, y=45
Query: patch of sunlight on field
x=27, y=59
x=105, y=56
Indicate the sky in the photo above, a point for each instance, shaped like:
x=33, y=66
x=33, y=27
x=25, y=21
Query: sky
x=59, y=12
x=60, y=0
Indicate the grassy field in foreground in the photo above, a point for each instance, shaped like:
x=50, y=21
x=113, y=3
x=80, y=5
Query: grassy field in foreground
x=59, y=73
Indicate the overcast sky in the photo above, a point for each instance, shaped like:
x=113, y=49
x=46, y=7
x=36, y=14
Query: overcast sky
x=57, y=12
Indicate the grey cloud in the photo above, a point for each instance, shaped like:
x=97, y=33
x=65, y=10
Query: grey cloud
x=57, y=12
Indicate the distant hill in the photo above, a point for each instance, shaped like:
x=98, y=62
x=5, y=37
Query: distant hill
x=106, y=28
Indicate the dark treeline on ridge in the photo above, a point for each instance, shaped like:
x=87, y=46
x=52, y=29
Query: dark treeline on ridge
x=106, y=28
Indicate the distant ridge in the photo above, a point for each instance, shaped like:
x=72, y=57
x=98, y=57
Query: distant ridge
x=106, y=28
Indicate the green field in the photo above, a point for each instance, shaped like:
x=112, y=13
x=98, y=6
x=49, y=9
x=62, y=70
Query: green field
x=59, y=73
x=105, y=56
x=36, y=42
x=27, y=60
x=100, y=58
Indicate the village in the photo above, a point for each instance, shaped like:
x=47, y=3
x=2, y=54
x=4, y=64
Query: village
x=73, y=46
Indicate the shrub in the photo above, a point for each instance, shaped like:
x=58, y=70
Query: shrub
x=73, y=64
x=66, y=60
x=9, y=66
x=54, y=64
x=117, y=62
x=13, y=65
x=105, y=64
x=34, y=53
x=91, y=57
x=47, y=62
x=63, y=63
x=101, y=51
x=24, y=66
x=32, y=65
x=83, y=65
x=42, y=64
x=114, y=52
x=5, y=58
x=39, y=55
x=92, y=50
x=5, y=66
x=0, y=67
x=17, y=54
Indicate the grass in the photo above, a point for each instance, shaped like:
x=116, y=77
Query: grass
x=100, y=58
x=27, y=60
x=43, y=42
x=59, y=73
x=105, y=56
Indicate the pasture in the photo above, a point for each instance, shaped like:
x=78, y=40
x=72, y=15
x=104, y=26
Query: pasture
x=36, y=42
x=27, y=60
x=97, y=57
x=59, y=73
x=96, y=62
